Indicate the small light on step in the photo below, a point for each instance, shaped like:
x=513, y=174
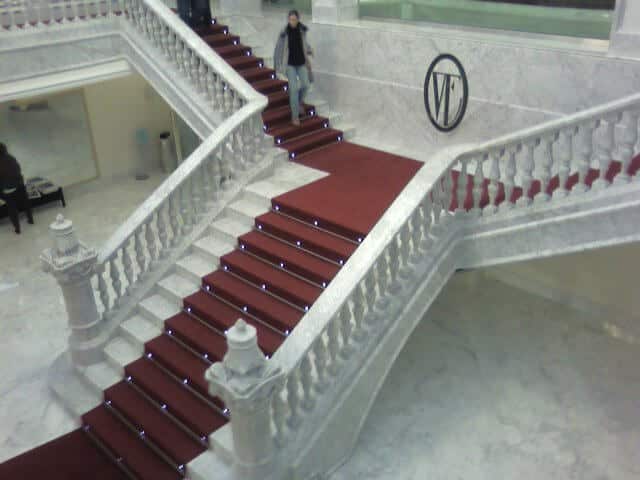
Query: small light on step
x=325, y=124
x=245, y=308
x=129, y=377
x=164, y=406
x=149, y=355
x=248, y=53
x=286, y=333
x=285, y=88
x=339, y=138
x=226, y=268
x=259, y=227
x=268, y=357
x=170, y=332
x=225, y=411
x=203, y=438
x=108, y=402
x=226, y=331
x=235, y=42
x=180, y=467
x=359, y=239
x=293, y=155
x=277, y=207
x=142, y=433
x=264, y=127
x=207, y=288
x=242, y=246
x=185, y=381
x=281, y=264
x=206, y=356
x=299, y=243
x=261, y=64
x=278, y=141
x=225, y=31
x=273, y=76
x=341, y=262
x=188, y=309
x=264, y=287
x=315, y=222
x=324, y=284
x=306, y=308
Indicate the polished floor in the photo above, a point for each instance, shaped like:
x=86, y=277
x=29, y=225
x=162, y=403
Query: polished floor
x=498, y=383
x=32, y=318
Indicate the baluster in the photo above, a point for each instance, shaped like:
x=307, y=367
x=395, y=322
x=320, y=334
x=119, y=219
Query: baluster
x=186, y=209
x=382, y=272
x=226, y=160
x=197, y=193
x=526, y=173
x=478, y=185
x=394, y=266
x=103, y=289
x=545, y=169
x=202, y=78
x=175, y=218
x=306, y=380
x=448, y=193
x=141, y=258
x=237, y=102
x=333, y=344
x=193, y=68
x=320, y=353
x=406, y=270
x=212, y=93
x=346, y=330
x=494, y=183
x=371, y=295
x=509, y=179
x=163, y=229
x=220, y=87
x=416, y=222
x=116, y=283
x=227, y=100
x=216, y=173
x=604, y=149
x=261, y=141
x=584, y=155
x=628, y=140
x=438, y=204
x=359, y=330
x=127, y=263
x=150, y=237
x=461, y=190
x=427, y=241
x=279, y=415
x=293, y=398
x=566, y=155
x=172, y=48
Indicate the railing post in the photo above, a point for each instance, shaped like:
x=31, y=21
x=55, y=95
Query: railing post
x=247, y=382
x=73, y=264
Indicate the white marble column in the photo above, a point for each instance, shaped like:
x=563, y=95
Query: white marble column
x=73, y=264
x=240, y=7
x=247, y=382
x=334, y=11
x=625, y=30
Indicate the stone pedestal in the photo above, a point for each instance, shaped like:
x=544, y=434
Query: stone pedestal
x=247, y=382
x=625, y=30
x=334, y=11
x=73, y=264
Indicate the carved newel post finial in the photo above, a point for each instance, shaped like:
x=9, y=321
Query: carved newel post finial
x=247, y=382
x=72, y=264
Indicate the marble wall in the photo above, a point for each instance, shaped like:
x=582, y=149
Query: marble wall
x=373, y=72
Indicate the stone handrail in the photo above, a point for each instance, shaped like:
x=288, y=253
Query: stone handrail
x=434, y=201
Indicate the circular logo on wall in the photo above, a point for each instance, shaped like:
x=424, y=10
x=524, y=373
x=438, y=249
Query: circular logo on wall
x=446, y=92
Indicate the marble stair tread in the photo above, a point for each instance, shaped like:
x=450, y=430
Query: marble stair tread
x=278, y=281
x=180, y=402
x=282, y=115
x=121, y=352
x=101, y=376
x=156, y=425
x=180, y=361
x=157, y=308
x=297, y=261
x=72, y=389
x=289, y=131
x=198, y=336
x=253, y=300
x=212, y=248
x=196, y=266
x=311, y=141
x=140, y=330
x=128, y=445
x=210, y=461
x=229, y=229
x=175, y=287
x=292, y=231
x=222, y=316
x=246, y=210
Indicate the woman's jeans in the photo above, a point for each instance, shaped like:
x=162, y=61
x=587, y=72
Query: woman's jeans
x=298, y=85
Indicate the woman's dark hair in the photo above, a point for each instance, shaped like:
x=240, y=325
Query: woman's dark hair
x=294, y=13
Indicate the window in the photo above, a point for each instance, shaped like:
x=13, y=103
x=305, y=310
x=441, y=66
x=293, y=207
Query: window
x=576, y=18
x=303, y=6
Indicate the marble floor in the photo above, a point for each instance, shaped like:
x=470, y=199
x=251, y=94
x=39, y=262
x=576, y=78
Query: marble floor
x=496, y=383
x=32, y=318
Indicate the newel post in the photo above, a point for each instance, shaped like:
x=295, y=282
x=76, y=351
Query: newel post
x=247, y=382
x=73, y=264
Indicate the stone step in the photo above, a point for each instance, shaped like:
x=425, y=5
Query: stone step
x=246, y=210
x=139, y=330
x=157, y=309
x=212, y=248
x=101, y=376
x=121, y=352
x=196, y=265
x=175, y=287
x=71, y=389
x=228, y=230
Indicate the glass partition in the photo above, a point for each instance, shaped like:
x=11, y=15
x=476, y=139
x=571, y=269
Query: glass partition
x=576, y=18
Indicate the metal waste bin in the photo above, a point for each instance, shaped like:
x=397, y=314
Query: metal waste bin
x=168, y=157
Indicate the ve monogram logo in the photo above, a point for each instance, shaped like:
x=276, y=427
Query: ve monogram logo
x=446, y=92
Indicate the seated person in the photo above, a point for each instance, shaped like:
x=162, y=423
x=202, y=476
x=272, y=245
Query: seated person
x=12, y=188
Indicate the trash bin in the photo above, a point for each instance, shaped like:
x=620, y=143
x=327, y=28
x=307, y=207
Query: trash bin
x=168, y=157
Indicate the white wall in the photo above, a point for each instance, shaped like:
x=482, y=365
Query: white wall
x=116, y=109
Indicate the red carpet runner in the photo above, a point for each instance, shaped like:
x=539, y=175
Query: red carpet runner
x=157, y=420
x=159, y=417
